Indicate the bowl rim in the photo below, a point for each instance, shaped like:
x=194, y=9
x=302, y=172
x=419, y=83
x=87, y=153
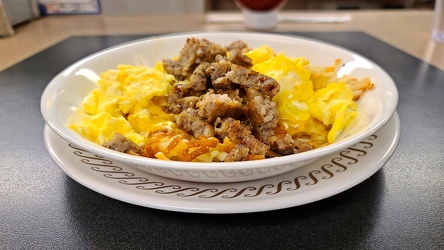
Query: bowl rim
x=215, y=166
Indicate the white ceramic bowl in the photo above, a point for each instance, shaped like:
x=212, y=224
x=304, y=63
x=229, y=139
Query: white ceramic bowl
x=67, y=90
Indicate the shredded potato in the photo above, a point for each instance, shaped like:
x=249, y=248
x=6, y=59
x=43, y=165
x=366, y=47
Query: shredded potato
x=182, y=147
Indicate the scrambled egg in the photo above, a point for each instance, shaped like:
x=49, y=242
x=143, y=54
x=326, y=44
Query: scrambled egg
x=129, y=101
x=317, y=114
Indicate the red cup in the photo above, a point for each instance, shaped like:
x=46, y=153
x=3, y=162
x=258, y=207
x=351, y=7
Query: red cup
x=260, y=14
x=261, y=5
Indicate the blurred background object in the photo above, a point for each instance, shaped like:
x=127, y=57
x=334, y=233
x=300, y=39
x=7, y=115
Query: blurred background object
x=220, y=5
x=13, y=12
x=51, y=7
x=19, y=11
x=260, y=15
x=438, y=22
x=138, y=7
x=5, y=26
x=16, y=12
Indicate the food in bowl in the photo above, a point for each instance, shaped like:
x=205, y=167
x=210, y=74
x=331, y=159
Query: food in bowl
x=217, y=103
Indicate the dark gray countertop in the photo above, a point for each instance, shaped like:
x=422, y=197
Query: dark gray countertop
x=400, y=207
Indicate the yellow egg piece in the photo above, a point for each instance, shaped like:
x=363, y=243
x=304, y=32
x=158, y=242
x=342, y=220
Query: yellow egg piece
x=128, y=100
x=260, y=54
x=318, y=114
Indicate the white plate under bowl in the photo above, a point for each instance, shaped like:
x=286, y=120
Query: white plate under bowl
x=323, y=178
x=67, y=90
